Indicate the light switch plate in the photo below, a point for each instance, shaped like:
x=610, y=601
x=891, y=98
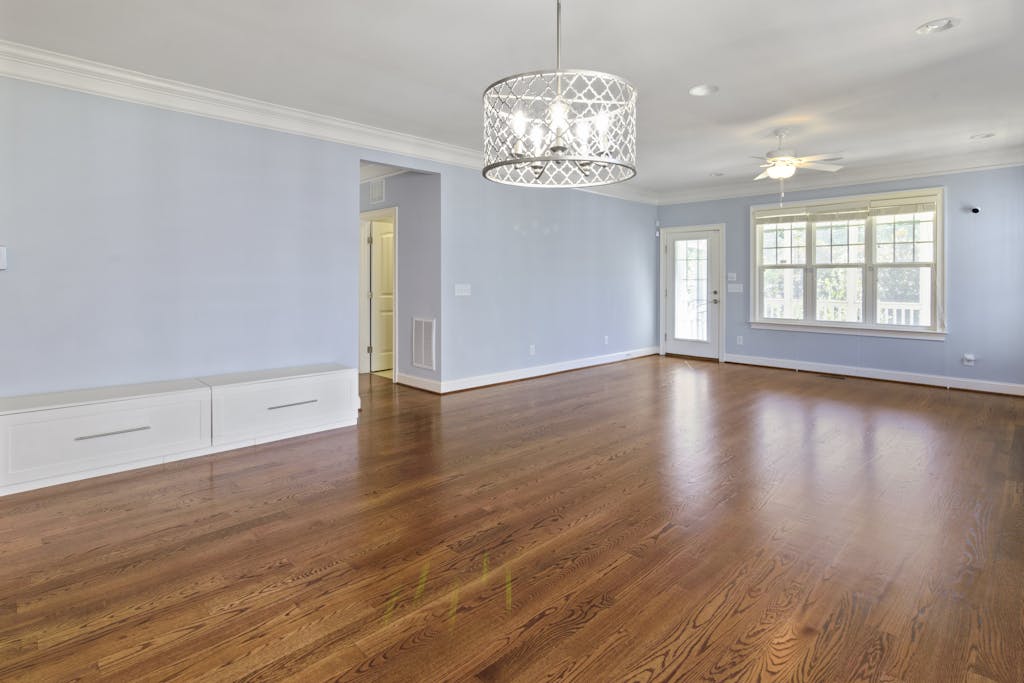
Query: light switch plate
x=732, y=277
x=3, y=258
x=735, y=287
x=463, y=289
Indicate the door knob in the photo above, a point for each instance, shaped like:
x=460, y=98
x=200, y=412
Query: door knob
x=714, y=301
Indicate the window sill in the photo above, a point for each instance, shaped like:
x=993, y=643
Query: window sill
x=927, y=335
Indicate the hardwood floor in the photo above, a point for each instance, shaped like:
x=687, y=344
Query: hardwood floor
x=652, y=520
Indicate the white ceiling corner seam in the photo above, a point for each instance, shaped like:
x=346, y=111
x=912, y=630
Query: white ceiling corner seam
x=24, y=62
x=877, y=173
x=28, y=63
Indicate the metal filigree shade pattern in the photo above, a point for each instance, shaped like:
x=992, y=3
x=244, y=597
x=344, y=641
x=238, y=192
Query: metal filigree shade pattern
x=560, y=129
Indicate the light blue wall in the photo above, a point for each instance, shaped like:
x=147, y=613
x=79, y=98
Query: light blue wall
x=984, y=281
x=417, y=197
x=146, y=244
x=559, y=269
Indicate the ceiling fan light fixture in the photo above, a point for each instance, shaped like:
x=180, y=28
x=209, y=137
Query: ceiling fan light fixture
x=561, y=127
x=781, y=170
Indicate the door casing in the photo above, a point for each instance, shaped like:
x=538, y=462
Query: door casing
x=365, y=219
x=667, y=235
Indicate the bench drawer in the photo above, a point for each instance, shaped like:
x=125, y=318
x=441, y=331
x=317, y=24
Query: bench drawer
x=62, y=441
x=254, y=412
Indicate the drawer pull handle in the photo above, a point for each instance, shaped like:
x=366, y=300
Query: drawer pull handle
x=290, y=405
x=120, y=431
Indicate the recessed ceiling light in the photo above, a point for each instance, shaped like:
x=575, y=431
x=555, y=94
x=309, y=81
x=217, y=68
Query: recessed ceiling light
x=703, y=90
x=982, y=136
x=937, y=26
x=716, y=174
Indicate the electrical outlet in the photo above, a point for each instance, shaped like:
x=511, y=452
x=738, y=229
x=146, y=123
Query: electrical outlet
x=968, y=360
x=739, y=340
x=606, y=339
x=533, y=350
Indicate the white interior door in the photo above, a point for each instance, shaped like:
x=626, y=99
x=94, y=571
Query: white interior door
x=382, y=295
x=692, y=293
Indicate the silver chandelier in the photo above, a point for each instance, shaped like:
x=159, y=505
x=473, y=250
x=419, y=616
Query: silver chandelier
x=561, y=128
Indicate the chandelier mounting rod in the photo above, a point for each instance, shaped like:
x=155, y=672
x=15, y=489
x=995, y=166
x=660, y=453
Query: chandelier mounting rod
x=558, y=35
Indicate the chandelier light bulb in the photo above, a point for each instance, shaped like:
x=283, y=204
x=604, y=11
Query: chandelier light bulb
x=558, y=114
x=537, y=138
x=583, y=135
x=519, y=124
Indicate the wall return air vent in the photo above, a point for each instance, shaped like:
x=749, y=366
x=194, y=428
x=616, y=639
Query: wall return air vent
x=423, y=343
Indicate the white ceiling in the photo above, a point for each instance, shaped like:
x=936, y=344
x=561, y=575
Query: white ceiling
x=847, y=77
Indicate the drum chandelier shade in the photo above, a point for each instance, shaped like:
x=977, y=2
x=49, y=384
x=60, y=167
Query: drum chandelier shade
x=560, y=128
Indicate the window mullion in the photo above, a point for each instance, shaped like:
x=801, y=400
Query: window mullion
x=810, y=279
x=870, y=270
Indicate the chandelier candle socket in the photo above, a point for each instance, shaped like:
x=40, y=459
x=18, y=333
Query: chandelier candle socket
x=560, y=128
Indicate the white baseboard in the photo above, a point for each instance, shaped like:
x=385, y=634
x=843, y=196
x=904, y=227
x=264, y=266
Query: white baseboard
x=419, y=382
x=877, y=373
x=540, y=370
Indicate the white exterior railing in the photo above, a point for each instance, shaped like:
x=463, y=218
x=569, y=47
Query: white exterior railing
x=899, y=313
x=889, y=312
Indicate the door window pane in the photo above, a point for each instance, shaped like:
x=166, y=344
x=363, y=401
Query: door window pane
x=783, y=292
x=904, y=296
x=691, y=289
x=840, y=295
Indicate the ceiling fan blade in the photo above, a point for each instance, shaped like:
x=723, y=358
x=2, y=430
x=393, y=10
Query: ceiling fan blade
x=762, y=176
x=832, y=168
x=822, y=157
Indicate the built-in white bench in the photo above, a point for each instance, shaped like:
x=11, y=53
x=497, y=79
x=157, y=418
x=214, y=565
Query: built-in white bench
x=53, y=438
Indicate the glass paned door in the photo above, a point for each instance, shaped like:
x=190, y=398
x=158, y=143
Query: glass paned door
x=692, y=296
x=691, y=285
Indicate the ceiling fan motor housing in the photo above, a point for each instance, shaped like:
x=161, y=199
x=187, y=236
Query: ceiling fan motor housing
x=781, y=154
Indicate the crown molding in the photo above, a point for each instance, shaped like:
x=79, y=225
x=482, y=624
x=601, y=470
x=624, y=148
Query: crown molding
x=625, y=191
x=922, y=168
x=29, y=63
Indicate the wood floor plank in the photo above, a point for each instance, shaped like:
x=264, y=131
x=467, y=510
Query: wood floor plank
x=658, y=519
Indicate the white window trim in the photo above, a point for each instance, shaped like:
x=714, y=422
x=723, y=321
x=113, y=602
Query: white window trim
x=935, y=333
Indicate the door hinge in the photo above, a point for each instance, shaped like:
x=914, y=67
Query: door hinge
x=369, y=239
x=369, y=349
x=665, y=337
x=369, y=295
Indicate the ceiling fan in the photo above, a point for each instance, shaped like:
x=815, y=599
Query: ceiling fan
x=780, y=164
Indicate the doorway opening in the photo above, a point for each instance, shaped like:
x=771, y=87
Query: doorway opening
x=693, y=291
x=377, y=231
x=399, y=275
